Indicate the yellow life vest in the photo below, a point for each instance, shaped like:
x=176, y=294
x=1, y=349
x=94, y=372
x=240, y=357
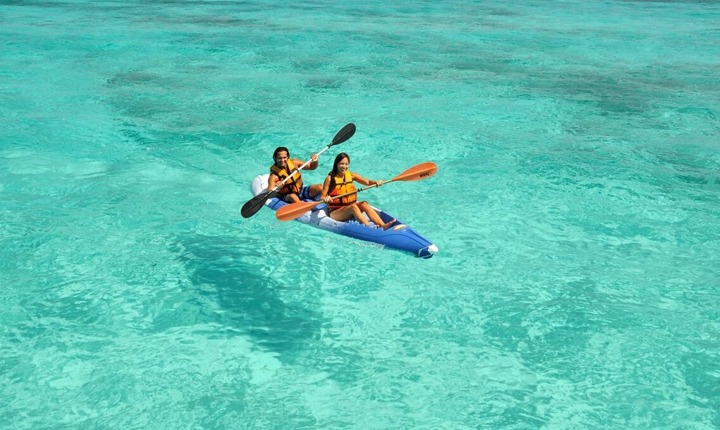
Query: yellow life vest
x=294, y=185
x=346, y=186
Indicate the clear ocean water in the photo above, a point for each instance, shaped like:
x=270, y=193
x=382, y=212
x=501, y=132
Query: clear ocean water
x=576, y=210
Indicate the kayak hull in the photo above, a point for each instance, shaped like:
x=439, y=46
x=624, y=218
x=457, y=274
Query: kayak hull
x=400, y=237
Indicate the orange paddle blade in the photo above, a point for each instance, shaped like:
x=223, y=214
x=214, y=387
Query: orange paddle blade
x=294, y=210
x=417, y=172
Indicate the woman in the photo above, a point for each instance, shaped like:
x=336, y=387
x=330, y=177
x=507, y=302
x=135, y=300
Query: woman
x=340, y=181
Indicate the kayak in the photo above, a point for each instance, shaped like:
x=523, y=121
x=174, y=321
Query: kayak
x=400, y=236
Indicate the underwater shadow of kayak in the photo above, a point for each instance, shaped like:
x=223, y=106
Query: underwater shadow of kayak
x=232, y=274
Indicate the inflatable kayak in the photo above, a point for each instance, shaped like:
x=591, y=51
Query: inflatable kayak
x=401, y=236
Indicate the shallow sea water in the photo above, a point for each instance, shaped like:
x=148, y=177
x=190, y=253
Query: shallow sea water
x=575, y=207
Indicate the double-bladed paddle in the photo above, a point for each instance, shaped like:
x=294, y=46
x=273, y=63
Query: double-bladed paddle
x=253, y=205
x=415, y=173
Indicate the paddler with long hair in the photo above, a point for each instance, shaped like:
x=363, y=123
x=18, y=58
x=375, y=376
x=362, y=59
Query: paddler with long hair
x=293, y=190
x=340, y=181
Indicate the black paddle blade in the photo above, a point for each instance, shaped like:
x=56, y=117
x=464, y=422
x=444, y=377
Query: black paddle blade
x=254, y=204
x=344, y=134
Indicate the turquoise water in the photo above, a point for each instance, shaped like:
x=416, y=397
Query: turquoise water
x=575, y=207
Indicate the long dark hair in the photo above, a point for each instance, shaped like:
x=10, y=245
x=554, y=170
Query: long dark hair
x=334, y=170
x=338, y=158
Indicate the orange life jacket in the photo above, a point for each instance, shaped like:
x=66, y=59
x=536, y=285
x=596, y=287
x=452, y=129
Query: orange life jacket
x=294, y=185
x=346, y=186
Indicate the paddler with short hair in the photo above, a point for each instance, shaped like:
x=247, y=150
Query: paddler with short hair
x=293, y=190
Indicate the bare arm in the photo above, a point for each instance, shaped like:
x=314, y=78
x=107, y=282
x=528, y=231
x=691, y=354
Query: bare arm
x=272, y=180
x=325, y=189
x=312, y=166
x=365, y=181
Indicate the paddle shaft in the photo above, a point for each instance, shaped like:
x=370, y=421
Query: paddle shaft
x=360, y=189
x=299, y=208
x=420, y=171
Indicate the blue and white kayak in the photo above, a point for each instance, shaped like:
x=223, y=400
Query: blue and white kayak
x=401, y=236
